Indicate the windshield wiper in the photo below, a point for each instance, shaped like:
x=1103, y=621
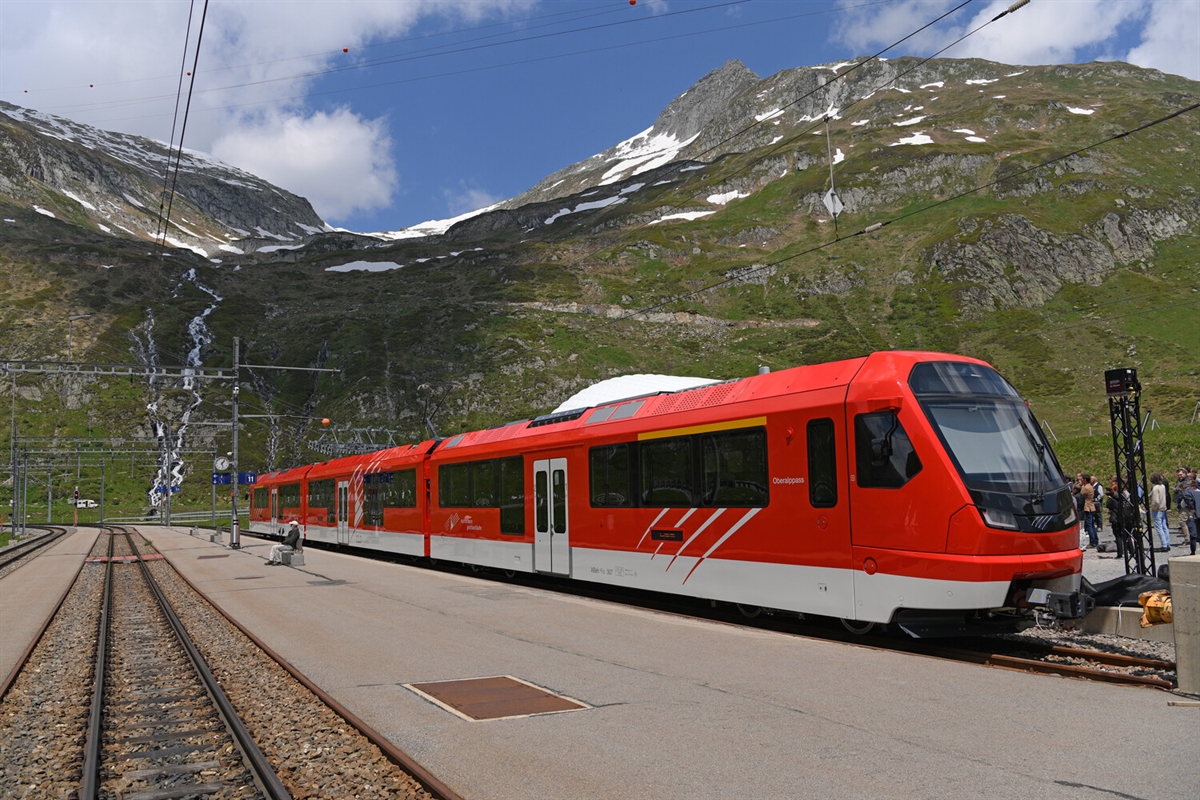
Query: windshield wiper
x=1036, y=491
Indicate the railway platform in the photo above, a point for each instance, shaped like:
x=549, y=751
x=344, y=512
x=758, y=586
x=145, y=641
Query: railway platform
x=671, y=707
x=30, y=593
x=677, y=707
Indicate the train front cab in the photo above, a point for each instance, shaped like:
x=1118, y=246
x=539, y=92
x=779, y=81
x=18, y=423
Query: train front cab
x=962, y=520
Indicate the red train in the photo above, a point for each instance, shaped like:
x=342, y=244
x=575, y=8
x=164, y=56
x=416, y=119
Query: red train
x=906, y=487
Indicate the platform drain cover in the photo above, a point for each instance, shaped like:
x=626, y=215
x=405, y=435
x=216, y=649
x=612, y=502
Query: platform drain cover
x=501, y=697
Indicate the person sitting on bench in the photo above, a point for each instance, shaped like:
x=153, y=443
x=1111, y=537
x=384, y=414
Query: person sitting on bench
x=287, y=546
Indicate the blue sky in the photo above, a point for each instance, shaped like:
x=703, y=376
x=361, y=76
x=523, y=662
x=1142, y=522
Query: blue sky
x=438, y=107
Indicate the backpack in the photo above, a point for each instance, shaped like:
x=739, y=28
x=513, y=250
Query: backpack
x=1188, y=503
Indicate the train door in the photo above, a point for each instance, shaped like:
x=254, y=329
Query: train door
x=274, y=510
x=552, y=544
x=343, y=512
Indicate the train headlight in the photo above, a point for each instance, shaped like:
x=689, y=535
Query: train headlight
x=1070, y=518
x=995, y=518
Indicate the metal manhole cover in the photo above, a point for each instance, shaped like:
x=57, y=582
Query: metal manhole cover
x=502, y=697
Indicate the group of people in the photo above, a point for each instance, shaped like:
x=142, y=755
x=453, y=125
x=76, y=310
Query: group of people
x=1091, y=498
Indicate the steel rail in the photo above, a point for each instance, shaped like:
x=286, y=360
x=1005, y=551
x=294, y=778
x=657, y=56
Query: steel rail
x=1044, y=667
x=394, y=754
x=89, y=789
x=256, y=761
x=22, y=549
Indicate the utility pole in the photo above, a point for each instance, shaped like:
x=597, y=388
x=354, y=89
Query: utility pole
x=235, y=540
x=170, y=471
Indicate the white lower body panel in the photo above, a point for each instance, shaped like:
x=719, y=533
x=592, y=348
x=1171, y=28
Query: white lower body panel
x=516, y=555
x=812, y=590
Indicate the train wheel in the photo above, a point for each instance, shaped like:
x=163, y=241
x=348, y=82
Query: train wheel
x=749, y=612
x=510, y=573
x=857, y=627
x=475, y=568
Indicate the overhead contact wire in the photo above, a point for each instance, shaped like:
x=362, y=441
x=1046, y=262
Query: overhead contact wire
x=160, y=228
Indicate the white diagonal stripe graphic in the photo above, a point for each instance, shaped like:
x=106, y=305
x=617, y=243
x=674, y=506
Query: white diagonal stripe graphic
x=661, y=514
x=719, y=542
x=699, y=531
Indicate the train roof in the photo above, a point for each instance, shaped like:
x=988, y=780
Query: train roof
x=627, y=387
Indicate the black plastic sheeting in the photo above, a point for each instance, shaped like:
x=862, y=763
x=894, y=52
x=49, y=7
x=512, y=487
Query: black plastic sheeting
x=1122, y=591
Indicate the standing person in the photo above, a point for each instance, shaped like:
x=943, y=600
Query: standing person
x=288, y=545
x=1118, y=518
x=1098, y=502
x=1176, y=500
x=1190, y=504
x=1089, y=512
x=1158, y=510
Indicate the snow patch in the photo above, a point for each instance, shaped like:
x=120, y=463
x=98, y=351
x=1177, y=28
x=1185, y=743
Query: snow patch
x=104, y=228
x=839, y=156
x=859, y=122
x=967, y=131
x=44, y=212
x=917, y=138
x=366, y=266
x=769, y=115
x=837, y=66
x=633, y=187
x=433, y=227
x=688, y=215
x=643, y=152
x=271, y=248
x=1015, y=74
x=938, y=84
x=79, y=200
x=981, y=81
x=912, y=121
x=725, y=197
x=593, y=204
x=1085, y=111
x=228, y=248
x=132, y=201
x=976, y=139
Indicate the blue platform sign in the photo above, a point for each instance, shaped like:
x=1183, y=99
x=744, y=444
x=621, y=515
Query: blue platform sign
x=221, y=478
x=247, y=477
x=163, y=489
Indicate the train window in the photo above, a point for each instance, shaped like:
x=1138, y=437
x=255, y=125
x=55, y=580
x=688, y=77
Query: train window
x=375, y=486
x=512, y=495
x=611, y=476
x=401, y=490
x=320, y=502
x=955, y=377
x=483, y=484
x=260, y=499
x=822, y=464
x=559, y=482
x=289, y=499
x=667, y=472
x=735, y=468
x=541, y=506
x=454, y=486
x=884, y=456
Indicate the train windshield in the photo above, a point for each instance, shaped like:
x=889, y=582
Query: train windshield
x=987, y=428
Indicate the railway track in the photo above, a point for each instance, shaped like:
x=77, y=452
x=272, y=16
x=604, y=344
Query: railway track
x=160, y=725
x=147, y=720
x=22, y=550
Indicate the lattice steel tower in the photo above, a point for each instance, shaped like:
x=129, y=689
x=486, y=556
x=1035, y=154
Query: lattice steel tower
x=1124, y=410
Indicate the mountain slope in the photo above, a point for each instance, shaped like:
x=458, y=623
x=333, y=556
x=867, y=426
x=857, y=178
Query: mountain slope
x=709, y=261
x=113, y=183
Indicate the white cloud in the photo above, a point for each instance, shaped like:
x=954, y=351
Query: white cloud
x=1040, y=33
x=254, y=73
x=465, y=198
x=1171, y=39
x=341, y=162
